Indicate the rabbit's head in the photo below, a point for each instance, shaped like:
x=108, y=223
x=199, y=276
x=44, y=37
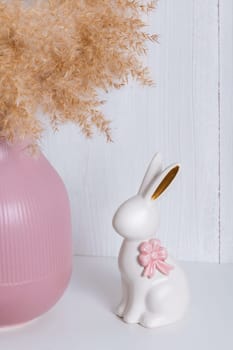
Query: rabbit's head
x=138, y=218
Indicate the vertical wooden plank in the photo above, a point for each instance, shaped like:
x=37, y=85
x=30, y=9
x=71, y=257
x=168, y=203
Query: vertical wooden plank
x=226, y=131
x=179, y=117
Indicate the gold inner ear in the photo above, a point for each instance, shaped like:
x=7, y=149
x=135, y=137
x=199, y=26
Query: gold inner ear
x=165, y=183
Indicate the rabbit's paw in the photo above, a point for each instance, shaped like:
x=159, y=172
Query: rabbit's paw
x=151, y=321
x=131, y=317
x=120, y=310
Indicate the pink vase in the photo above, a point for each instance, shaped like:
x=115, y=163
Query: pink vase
x=35, y=235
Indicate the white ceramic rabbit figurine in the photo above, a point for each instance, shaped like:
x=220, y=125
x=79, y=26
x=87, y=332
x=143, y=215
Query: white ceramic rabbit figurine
x=155, y=290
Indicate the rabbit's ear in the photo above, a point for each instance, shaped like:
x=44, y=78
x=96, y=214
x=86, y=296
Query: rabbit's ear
x=153, y=170
x=161, y=182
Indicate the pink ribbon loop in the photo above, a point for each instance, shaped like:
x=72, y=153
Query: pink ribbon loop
x=153, y=257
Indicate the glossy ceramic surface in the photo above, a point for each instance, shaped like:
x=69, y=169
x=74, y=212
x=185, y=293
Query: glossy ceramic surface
x=154, y=288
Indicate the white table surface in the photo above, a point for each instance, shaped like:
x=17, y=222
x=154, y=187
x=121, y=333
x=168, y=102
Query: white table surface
x=84, y=318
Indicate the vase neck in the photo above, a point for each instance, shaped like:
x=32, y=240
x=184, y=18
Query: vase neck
x=7, y=149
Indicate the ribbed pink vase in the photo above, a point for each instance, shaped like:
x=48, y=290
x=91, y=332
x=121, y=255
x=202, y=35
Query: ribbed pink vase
x=35, y=235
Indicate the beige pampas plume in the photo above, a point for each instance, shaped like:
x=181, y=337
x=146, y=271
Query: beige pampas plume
x=58, y=55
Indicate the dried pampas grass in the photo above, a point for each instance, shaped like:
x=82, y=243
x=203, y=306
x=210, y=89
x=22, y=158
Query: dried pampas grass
x=58, y=55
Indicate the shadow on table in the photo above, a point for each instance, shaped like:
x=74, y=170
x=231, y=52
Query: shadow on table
x=98, y=278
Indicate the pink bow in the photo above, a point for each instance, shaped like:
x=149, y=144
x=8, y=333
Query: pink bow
x=152, y=257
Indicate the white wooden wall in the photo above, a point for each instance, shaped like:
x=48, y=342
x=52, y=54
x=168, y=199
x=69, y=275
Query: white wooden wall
x=188, y=117
x=226, y=129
